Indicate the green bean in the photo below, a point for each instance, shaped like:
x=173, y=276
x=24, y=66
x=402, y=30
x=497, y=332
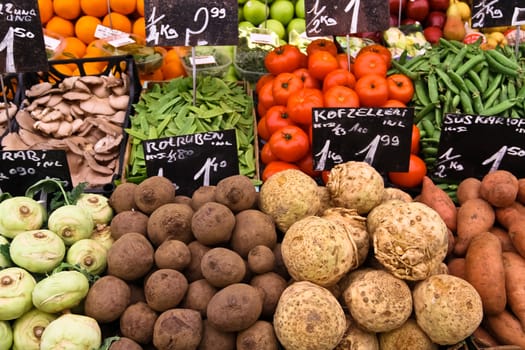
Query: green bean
x=446, y=80
x=470, y=64
x=499, y=108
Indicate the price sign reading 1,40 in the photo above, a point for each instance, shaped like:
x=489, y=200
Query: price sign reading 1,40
x=191, y=22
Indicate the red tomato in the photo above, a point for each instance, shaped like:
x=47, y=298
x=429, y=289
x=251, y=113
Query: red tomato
x=339, y=76
x=416, y=137
x=380, y=49
x=320, y=63
x=321, y=44
x=301, y=102
x=413, y=177
x=290, y=143
x=265, y=96
x=393, y=104
x=372, y=90
x=266, y=154
x=276, y=166
x=341, y=96
x=369, y=63
x=308, y=80
x=306, y=164
x=400, y=87
x=284, y=58
x=263, y=80
x=262, y=131
x=276, y=117
x=343, y=61
x=283, y=85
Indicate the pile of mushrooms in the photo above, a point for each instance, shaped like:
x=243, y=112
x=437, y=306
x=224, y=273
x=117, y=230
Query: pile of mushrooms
x=83, y=115
x=7, y=113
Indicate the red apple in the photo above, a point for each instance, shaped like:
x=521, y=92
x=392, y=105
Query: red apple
x=408, y=21
x=394, y=6
x=417, y=9
x=439, y=5
x=394, y=21
x=436, y=19
x=432, y=34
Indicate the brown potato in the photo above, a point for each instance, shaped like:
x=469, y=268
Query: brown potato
x=201, y=195
x=235, y=307
x=153, y=192
x=272, y=286
x=177, y=329
x=260, y=336
x=121, y=199
x=193, y=271
x=124, y=343
x=137, y=322
x=212, y=223
x=172, y=254
x=237, y=192
x=261, y=259
x=164, y=289
x=252, y=228
x=130, y=257
x=170, y=221
x=128, y=221
x=198, y=296
x=222, y=266
x=107, y=299
x=213, y=339
x=499, y=188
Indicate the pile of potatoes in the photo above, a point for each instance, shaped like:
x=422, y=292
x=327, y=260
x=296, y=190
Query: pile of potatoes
x=189, y=272
x=295, y=265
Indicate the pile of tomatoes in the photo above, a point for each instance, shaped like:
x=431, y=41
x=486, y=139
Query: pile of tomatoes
x=324, y=77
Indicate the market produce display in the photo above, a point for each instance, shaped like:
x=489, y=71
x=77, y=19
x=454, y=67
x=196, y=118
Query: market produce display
x=279, y=256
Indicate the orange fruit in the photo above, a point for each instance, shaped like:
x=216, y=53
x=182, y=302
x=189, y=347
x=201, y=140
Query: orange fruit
x=173, y=69
x=74, y=47
x=124, y=7
x=45, y=8
x=417, y=169
x=64, y=69
x=117, y=21
x=68, y=9
x=139, y=27
x=94, y=48
x=156, y=75
x=140, y=7
x=60, y=26
x=85, y=27
x=97, y=8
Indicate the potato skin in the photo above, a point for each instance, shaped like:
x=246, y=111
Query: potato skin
x=137, y=322
x=447, y=308
x=164, y=289
x=130, y=257
x=177, y=329
x=467, y=189
x=222, y=266
x=237, y=192
x=484, y=270
x=107, y=299
x=213, y=339
x=252, y=228
x=212, y=223
x=235, y=307
x=260, y=336
x=474, y=216
x=499, y=188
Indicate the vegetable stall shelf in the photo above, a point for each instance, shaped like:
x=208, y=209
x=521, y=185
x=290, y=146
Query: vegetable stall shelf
x=84, y=114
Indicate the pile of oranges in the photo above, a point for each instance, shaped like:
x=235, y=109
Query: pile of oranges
x=75, y=21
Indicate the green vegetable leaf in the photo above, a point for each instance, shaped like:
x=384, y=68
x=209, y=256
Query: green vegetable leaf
x=107, y=342
x=56, y=188
x=4, y=251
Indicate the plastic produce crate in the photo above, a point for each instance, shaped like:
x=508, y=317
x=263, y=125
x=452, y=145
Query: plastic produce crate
x=108, y=126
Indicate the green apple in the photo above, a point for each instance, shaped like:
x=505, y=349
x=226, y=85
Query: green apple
x=282, y=10
x=240, y=15
x=275, y=26
x=241, y=2
x=245, y=25
x=299, y=9
x=255, y=11
x=297, y=24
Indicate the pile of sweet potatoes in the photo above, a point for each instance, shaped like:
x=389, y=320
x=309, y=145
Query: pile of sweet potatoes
x=487, y=248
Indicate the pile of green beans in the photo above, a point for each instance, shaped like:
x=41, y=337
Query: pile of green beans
x=168, y=109
x=454, y=77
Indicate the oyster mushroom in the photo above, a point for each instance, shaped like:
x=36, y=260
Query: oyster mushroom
x=96, y=105
x=39, y=89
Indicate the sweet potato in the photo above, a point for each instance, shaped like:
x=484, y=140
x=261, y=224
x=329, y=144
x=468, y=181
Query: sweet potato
x=517, y=234
x=506, y=328
x=499, y=188
x=474, y=216
x=506, y=215
x=440, y=201
x=514, y=265
x=483, y=339
x=484, y=270
x=456, y=267
x=467, y=189
x=502, y=234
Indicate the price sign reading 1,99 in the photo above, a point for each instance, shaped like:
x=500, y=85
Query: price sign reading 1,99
x=377, y=136
x=191, y=22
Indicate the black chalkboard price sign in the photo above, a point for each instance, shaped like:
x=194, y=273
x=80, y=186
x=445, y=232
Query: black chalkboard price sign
x=22, y=47
x=494, y=13
x=378, y=136
x=191, y=22
x=193, y=160
x=21, y=169
x=472, y=146
x=341, y=17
